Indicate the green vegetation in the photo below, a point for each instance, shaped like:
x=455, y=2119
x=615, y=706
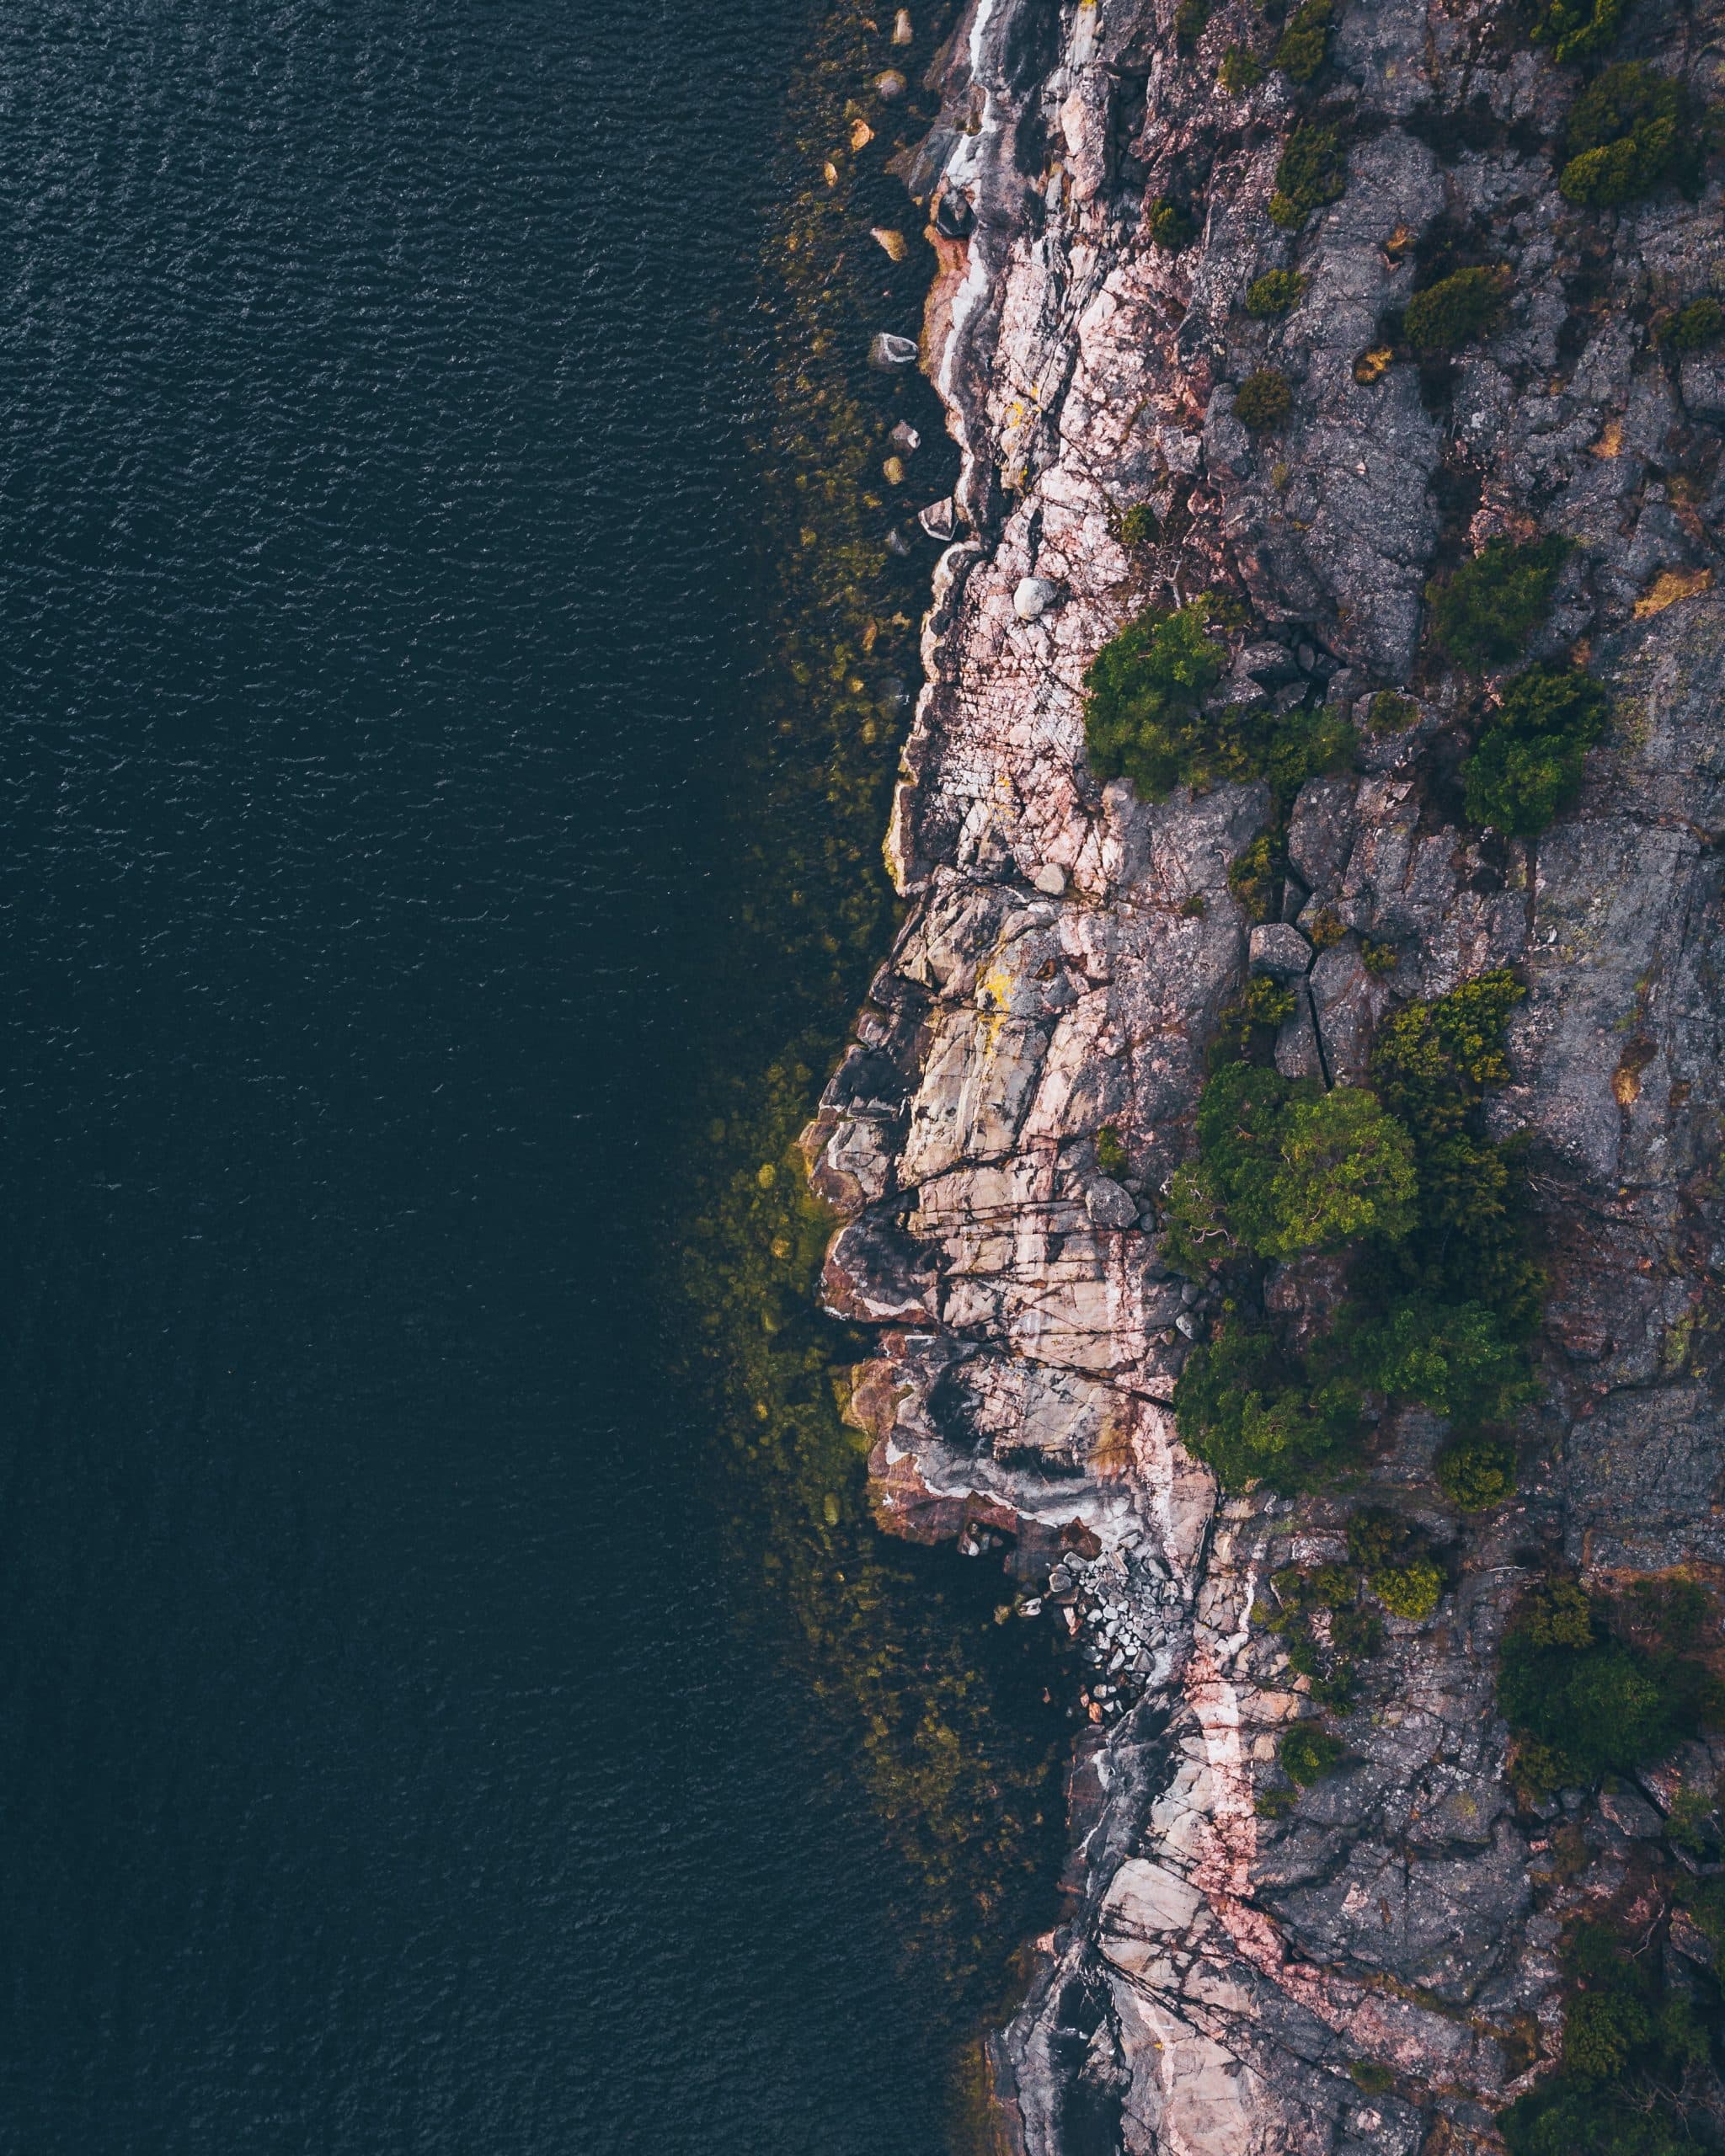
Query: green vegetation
x=1307, y=1753
x=1274, y=292
x=1389, y=713
x=1301, y=49
x=1693, y=327
x=1442, y=1293
x=1252, y=878
x=1263, y=400
x=1576, y=30
x=1190, y=18
x=1110, y=1153
x=1477, y=1472
x=1327, y=930
x=1139, y=525
x=1241, y=70
x=1590, y=1688
x=1527, y=764
x=1317, y=1615
x=1630, y=2041
x=1313, y=171
x=1371, y=2077
x=1247, y=1030
x=1457, y=308
x=1397, y=1562
x=1631, y=130
x=1378, y=958
x=1144, y=716
x=1485, y=614
x=1171, y=227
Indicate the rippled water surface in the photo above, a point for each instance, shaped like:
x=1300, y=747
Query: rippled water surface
x=383, y=1764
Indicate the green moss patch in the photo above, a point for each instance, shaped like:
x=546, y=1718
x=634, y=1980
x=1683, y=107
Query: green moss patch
x=1631, y=130
x=1312, y=171
x=1304, y=43
x=1455, y=310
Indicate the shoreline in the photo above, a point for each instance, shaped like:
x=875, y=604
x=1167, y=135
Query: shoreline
x=1209, y=1988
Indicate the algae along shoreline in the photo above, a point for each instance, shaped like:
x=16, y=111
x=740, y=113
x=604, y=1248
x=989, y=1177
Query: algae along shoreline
x=947, y=1705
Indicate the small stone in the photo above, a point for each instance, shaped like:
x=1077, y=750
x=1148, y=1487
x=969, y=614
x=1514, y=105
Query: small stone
x=1033, y=597
x=905, y=437
x=1192, y=1326
x=902, y=31
x=889, y=85
x=1109, y=1206
x=889, y=350
x=1279, y=949
x=1050, y=878
x=1631, y=1815
x=893, y=241
x=897, y=543
x=940, y=519
x=953, y=216
x=1032, y=1608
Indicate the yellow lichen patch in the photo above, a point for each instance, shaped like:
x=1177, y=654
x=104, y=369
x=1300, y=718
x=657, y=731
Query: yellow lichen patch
x=1610, y=443
x=892, y=242
x=862, y=135
x=1397, y=244
x=994, y=994
x=1667, y=589
x=1373, y=366
x=832, y=173
x=1626, y=1085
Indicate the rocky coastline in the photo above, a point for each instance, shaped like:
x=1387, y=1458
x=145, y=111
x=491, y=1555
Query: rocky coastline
x=1372, y=1959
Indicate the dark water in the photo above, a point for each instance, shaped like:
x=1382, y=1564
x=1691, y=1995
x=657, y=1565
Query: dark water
x=382, y=1765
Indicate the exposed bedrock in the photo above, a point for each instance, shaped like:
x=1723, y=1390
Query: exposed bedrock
x=1070, y=948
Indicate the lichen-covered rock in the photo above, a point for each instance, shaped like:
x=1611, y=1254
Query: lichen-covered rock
x=1231, y=1976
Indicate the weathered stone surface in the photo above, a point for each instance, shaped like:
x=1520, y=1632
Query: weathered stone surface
x=1069, y=950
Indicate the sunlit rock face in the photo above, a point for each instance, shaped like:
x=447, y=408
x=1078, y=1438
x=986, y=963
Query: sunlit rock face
x=1375, y=1963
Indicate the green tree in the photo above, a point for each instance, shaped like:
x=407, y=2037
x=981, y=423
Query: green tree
x=1528, y=763
x=1458, y=307
x=1631, y=130
x=1485, y=614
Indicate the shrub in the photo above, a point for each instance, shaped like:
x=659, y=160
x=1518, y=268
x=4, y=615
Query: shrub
x=1241, y=70
x=1377, y=958
x=1139, y=525
x=1388, y=713
x=1485, y=614
x=1431, y=1062
x=1263, y=400
x=1312, y=171
x=1194, y=906
x=1145, y=686
x=1629, y=131
x=1307, y=1753
x=1246, y=1411
x=1252, y=878
x=1695, y=327
x=1600, y=1705
x=1346, y=1170
x=1477, y=1472
x=1460, y=306
x=1576, y=30
x=1371, y=2077
x=1274, y=292
x=1170, y=227
x=1451, y=1358
x=1327, y=930
x=1411, y=1591
x=1189, y=19
x=1110, y=1153
x=1299, y=50
x=1528, y=762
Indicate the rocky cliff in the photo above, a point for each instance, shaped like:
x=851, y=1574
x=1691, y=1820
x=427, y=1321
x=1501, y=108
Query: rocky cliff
x=1368, y=1958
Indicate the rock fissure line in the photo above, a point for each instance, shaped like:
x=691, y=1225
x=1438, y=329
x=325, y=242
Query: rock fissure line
x=1371, y=1964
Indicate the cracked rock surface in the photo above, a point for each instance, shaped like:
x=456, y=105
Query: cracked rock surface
x=1069, y=949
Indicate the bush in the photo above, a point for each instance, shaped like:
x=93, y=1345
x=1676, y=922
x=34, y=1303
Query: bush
x=1189, y=19
x=1246, y=1411
x=1307, y=1753
x=1274, y=292
x=1477, y=1472
x=1576, y=30
x=1145, y=686
x=1447, y=314
x=1693, y=327
x=1371, y=2077
x=1110, y=1154
x=1327, y=928
x=1312, y=171
x=1139, y=525
x=1241, y=70
x=1171, y=227
x=1252, y=879
x=1451, y=1358
x=1263, y=400
x=1432, y=1062
x=1346, y=1170
x=1597, y=1703
x=1378, y=958
x=1485, y=615
x=1410, y=1591
x=1528, y=762
x=1630, y=131
x=1388, y=713
x=1301, y=49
